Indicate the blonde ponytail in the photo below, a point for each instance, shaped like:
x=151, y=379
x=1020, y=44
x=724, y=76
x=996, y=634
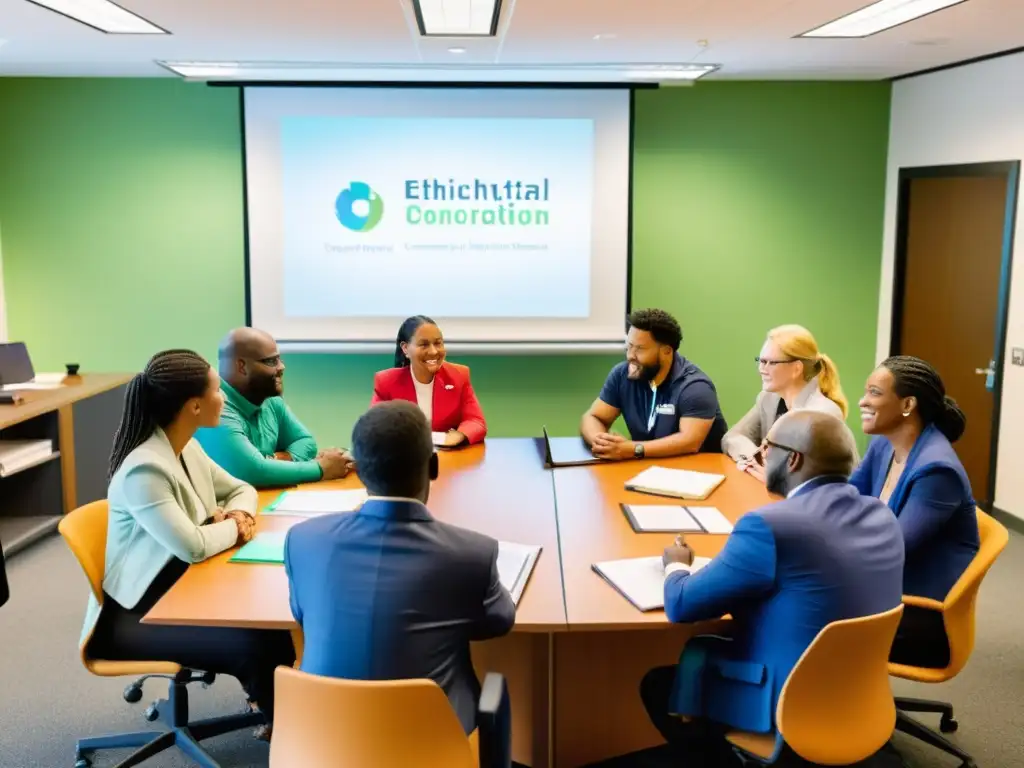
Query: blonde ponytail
x=828, y=383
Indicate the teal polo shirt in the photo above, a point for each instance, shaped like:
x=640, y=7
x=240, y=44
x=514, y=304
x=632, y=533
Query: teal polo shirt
x=248, y=436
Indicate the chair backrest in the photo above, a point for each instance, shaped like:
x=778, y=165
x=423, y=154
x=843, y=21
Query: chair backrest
x=331, y=722
x=958, y=607
x=85, y=531
x=836, y=707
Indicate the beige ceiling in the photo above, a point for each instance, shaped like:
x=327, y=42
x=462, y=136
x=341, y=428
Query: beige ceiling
x=749, y=38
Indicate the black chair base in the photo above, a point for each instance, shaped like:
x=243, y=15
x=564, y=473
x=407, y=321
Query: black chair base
x=912, y=727
x=173, y=712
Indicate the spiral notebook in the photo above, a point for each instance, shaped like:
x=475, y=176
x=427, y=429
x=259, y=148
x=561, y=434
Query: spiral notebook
x=679, y=483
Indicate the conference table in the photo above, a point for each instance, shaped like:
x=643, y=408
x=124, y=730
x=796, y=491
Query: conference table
x=574, y=661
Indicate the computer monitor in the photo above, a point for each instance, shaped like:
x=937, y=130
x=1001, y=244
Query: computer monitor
x=15, y=364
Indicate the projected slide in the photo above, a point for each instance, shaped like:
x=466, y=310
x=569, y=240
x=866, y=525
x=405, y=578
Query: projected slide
x=503, y=213
x=485, y=217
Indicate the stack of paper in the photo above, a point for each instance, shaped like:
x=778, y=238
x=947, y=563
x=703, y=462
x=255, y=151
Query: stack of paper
x=267, y=547
x=515, y=564
x=673, y=518
x=680, y=483
x=641, y=580
x=15, y=455
x=315, y=503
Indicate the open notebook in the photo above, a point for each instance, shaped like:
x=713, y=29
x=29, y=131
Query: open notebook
x=515, y=564
x=641, y=580
x=679, y=483
x=313, y=503
x=674, y=518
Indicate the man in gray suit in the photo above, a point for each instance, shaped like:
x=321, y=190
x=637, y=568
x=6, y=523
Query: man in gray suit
x=388, y=592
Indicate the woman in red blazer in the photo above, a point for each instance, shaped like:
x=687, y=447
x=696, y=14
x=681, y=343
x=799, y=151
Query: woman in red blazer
x=441, y=389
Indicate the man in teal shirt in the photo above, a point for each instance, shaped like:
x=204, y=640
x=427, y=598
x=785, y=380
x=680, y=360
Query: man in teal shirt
x=259, y=440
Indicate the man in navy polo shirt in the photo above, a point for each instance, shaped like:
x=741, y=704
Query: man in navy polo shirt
x=669, y=405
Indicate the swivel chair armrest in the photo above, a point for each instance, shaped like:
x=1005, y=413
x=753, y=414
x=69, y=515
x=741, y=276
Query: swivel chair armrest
x=494, y=721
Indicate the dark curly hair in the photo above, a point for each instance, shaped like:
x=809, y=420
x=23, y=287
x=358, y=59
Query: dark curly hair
x=660, y=324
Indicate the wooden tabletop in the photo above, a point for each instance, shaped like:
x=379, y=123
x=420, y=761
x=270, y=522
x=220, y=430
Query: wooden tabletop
x=499, y=488
x=593, y=528
x=74, y=388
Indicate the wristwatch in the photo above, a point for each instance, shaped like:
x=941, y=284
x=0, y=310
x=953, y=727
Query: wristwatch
x=638, y=451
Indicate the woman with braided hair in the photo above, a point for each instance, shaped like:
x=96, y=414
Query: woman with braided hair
x=912, y=467
x=170, y=506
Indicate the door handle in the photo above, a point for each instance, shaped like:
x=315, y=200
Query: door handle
x=989, y=374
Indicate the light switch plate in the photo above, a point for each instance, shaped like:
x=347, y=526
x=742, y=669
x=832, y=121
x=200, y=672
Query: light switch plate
x=1018, y=355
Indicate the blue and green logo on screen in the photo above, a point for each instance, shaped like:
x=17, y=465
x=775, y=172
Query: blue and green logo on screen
x=358, y=207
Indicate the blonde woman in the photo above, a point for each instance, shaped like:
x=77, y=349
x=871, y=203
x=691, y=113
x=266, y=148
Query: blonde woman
x=795, y=375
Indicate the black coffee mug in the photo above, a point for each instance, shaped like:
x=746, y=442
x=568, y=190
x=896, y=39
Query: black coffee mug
x=72, y=369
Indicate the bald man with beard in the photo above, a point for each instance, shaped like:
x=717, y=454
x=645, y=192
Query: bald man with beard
x=823, y=553
x=259, y=440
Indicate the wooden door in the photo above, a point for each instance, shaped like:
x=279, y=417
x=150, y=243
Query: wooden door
x=955, y=232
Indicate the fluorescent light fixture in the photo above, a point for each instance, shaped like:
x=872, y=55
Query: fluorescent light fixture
x=458, y=18
x=297, y=72
x=102, y=15
x=879, y=16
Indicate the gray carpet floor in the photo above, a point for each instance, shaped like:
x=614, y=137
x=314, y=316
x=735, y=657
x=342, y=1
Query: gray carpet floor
x=48, y=700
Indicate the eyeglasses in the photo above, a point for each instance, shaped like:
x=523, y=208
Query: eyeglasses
x=770, y=363
x=766, y=442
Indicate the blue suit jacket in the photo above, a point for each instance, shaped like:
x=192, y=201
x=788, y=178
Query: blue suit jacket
x=787, y=570
x=389, y=593
x=933, y=503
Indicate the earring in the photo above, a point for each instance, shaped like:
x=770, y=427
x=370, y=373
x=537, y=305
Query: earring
x=905, y=414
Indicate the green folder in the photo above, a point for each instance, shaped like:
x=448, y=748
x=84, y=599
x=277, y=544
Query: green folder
x=264, y=548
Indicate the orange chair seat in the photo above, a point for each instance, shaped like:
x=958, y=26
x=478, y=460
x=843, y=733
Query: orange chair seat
x=758, y=744
x=103, y=668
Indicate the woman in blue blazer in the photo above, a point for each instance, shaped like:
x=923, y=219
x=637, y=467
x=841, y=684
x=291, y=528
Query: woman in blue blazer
x=912, y=467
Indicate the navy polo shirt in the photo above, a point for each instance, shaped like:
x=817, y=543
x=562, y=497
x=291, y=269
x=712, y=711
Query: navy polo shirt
x=649, y=415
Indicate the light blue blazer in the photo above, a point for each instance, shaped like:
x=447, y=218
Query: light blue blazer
x=157, y=512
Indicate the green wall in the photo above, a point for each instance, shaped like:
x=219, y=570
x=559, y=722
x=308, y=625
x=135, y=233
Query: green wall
x=754, y=204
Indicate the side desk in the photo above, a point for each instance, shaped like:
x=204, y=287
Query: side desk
x=80, y=417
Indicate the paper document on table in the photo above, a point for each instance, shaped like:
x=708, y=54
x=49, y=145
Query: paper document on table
x=680, y=483
x=313, y=503
x=438, y=438
x=49, y=378
x=31, y=385
x=711, y=519
x=641, y=580
x=660, y=518
x=266, y=547
x=515, y=564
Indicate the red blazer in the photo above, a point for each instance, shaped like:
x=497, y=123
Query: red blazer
x=455, y=405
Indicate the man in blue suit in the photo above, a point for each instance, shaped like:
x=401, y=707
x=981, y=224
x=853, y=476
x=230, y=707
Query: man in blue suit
x=822, y=554
x=389, y=593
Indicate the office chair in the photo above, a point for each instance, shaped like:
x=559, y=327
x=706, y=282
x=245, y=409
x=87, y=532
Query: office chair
x=836, y=707
x=85, y=531
x=958, y=618
x=322, y=721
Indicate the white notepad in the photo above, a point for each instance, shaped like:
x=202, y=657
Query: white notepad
x=313, y=503
x=438, y=438
x=679, y=483
x=711, y=519
x=515, y=564
x=641, y=580
x=660, y=518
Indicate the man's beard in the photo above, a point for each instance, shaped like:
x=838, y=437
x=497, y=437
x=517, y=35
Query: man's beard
x=648, y=372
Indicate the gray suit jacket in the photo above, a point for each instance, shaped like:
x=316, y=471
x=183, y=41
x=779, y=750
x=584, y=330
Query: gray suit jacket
x=157, y=512
x=743, y=440
x=390, y=593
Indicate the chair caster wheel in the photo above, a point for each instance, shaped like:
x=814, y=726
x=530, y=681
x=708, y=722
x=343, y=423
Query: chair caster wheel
x=152, y=713
x=949, y=725
x=133, y=694
x=83, y=762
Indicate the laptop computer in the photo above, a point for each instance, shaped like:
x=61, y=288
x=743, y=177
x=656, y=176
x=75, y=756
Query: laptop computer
x=567, y=452
x=15, y=364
